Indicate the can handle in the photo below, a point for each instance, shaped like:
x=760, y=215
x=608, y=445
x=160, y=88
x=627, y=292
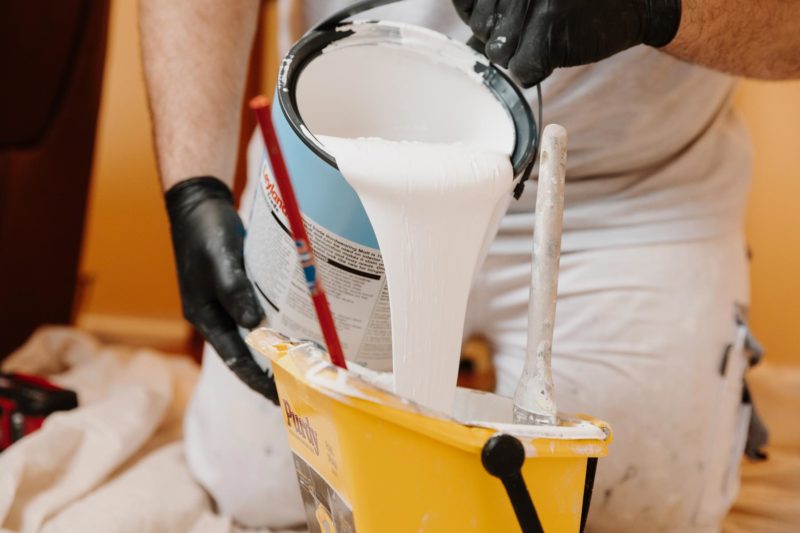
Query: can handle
x=503, y=456
x=349, y=11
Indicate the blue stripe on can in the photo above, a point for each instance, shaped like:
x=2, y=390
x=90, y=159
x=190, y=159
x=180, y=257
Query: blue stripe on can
x=323, y=193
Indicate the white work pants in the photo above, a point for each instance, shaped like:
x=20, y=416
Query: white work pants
x=640, y=337
x=641, y=333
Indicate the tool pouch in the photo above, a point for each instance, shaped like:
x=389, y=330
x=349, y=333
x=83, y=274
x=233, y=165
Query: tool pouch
x=757, y=432
x=25, y=402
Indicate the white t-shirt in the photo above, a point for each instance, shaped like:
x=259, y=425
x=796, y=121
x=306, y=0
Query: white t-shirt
x=656, y=151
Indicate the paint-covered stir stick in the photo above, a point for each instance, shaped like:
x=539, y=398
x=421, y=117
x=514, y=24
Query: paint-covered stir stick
x=261, y=107
x=534, y=401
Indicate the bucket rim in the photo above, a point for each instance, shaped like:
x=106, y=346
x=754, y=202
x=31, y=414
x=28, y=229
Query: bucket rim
x=313, y=44
x=303, y=363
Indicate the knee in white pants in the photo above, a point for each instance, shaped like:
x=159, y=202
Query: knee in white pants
x=237, y=448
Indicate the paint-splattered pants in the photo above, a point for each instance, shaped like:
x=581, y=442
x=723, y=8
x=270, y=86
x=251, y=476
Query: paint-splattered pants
x=646, y=338
x=641, y=337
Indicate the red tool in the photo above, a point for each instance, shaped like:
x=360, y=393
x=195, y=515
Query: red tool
x=25, y=401
x=260, y=105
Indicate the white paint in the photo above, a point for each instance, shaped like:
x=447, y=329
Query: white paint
x=400, y=94
x=434, y=203
x=431, y=207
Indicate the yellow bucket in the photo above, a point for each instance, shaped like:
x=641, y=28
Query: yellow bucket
x=370, y=461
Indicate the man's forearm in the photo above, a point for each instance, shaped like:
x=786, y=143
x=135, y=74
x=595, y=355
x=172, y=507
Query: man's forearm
x=195, y=55
x=753, y=38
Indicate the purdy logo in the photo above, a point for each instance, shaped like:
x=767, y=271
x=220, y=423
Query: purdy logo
x=301, y=426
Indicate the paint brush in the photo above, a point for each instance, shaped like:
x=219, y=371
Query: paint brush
x=534, y=401
x=260, y=105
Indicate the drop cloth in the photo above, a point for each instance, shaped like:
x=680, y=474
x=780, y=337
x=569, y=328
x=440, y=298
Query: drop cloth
x=116, y=463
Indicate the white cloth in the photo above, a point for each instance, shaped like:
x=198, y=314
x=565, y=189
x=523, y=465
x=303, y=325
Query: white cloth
x=653, y=266
x=113, y=464
x=116, y=462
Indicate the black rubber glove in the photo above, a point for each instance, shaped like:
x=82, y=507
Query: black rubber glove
x=533, y=37
x=208, y=239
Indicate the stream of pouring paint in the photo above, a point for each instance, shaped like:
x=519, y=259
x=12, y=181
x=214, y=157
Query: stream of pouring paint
x=427, y=151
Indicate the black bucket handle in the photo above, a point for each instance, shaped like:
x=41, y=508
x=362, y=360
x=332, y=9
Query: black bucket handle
x=503, y=456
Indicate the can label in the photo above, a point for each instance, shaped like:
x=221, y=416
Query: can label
x=352, y=274
x=326, y=510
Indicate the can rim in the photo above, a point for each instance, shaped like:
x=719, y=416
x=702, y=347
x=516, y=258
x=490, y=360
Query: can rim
x=312, y=44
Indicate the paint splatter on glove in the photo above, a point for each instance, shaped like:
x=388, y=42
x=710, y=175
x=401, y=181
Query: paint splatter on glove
x=533, y=37
x=208, y=240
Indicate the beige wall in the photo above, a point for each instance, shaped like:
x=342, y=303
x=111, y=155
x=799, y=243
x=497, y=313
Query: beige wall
x=128, y=260
x=772, y=112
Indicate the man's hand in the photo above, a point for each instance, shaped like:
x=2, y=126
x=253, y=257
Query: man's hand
x=208, y=239
x=533, y=37
x=195, y=58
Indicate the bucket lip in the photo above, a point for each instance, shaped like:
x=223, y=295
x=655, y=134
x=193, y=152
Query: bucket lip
x=313, y=43
x=305, y=364
x=362, y=393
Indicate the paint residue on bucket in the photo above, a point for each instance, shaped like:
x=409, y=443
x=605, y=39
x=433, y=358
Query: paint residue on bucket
x=471, y=408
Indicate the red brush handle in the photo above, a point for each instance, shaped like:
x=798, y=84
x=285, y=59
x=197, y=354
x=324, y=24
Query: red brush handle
x=261, y=107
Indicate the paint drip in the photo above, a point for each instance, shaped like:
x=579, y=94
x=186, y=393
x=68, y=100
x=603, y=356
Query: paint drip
x=431, y=207
x=427, y=148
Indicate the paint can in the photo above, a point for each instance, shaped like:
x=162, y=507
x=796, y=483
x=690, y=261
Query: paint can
x=347, y=250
